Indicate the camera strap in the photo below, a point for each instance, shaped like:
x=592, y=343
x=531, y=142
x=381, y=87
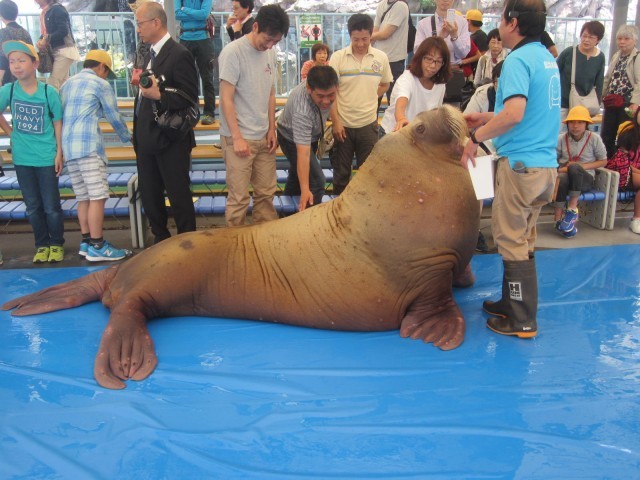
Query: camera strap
x=176, y=91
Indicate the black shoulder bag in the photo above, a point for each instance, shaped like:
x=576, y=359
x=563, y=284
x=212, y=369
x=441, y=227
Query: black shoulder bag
x=175, y=124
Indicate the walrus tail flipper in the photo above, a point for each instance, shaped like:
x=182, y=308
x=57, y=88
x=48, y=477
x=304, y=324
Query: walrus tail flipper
x=66, y=295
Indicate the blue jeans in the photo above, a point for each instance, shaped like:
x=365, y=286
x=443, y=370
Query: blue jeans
x=41, y=195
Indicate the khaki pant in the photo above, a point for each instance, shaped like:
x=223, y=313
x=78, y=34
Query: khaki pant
x=517, y=203
x=60, y=71
x=259, y=170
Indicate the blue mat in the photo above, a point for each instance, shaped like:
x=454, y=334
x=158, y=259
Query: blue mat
x=242, y=399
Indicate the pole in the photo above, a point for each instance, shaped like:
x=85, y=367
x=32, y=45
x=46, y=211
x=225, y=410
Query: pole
x=169, y=8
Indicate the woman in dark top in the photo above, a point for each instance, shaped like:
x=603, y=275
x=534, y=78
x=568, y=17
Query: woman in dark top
x=55, y=29
x=240, y=21
x=590, y=65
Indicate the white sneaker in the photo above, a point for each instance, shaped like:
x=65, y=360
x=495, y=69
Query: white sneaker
x=634, y=226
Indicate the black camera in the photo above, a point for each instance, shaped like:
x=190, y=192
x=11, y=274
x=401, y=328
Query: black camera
x=146, y=82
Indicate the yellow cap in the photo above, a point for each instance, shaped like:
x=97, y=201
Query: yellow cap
x=18, y=46
x=624, y=126
x=135, y=4
x=475, y=15
x=578, y=114
x=102, y=57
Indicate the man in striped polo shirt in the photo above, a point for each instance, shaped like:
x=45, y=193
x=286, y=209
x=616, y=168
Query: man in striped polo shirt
x=364, y=75
x=300, y=127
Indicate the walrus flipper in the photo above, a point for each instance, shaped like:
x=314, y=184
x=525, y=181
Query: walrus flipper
x=435, y=318
x=126, y=349
x=66, y=295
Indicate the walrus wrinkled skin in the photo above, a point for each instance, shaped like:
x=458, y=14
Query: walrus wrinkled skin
x=382, y=256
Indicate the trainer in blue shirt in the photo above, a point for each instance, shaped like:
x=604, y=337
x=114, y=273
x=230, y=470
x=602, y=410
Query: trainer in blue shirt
x=193, y=15
x=86, y=98
x=524, y=127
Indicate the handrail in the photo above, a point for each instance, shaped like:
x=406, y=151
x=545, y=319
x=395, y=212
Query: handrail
x=116, y=32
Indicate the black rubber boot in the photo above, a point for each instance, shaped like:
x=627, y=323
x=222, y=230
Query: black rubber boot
x=499, y=307
x=516, y=310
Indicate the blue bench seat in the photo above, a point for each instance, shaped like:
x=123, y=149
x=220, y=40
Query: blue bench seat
x=119, y=207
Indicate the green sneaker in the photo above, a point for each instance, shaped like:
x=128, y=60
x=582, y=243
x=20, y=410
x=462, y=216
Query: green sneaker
x=42, y=255
x=56, y=254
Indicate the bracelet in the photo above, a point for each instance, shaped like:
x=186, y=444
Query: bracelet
x=473, y=138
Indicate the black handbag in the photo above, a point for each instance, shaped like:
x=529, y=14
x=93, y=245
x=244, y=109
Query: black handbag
x=175, y=124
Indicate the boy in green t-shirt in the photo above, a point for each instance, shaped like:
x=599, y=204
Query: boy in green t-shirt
x=35, y=133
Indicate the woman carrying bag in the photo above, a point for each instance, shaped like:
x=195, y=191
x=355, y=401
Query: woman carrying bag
x=582, y=71
x=621, y=86
x=56, y=39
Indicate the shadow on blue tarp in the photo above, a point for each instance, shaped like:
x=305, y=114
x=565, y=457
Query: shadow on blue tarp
x=243, y=399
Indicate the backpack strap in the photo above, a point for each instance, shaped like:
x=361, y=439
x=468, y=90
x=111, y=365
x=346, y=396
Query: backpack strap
x=46, y=96
x=11, y=102
x=387, y=11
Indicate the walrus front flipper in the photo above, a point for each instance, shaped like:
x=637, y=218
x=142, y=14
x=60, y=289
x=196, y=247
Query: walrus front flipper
x=435, y=318
x=66, y=295
x=126, y=348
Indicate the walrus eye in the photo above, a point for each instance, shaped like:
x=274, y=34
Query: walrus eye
x=420, y=128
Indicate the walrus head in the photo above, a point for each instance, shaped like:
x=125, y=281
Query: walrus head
x=444, y=125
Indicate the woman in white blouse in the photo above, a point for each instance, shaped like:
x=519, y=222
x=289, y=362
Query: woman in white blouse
x=419, y=88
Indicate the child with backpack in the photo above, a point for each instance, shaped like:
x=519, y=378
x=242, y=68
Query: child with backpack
x=35, y=134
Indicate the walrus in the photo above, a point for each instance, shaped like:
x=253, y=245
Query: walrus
x=382, y=256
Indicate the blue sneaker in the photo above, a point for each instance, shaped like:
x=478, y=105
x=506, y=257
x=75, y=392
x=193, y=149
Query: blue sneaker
x=567, y=224
x=571, y=233
x=84, y=248
x=108, y=253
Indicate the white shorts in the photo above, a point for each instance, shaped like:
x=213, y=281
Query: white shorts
x=89, y=177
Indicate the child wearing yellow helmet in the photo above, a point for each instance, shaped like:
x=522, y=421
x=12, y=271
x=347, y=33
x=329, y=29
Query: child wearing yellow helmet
x=580, y=152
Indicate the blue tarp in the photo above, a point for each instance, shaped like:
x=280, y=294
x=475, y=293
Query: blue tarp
x=243, y=399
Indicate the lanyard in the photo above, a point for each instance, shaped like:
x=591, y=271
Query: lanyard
x=577, y=157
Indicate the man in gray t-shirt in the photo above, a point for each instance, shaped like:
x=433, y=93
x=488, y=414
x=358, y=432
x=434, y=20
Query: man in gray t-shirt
x=247, y=119
x=390, y=32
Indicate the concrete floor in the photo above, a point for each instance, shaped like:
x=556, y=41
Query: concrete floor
x=16, y=239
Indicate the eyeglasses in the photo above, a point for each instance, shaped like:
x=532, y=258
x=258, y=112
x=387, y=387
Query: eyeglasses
x=145, y=21
x=432, y=61
x=586, y=36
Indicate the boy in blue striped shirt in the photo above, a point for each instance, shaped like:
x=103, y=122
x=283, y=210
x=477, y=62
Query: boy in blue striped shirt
x=86, y=98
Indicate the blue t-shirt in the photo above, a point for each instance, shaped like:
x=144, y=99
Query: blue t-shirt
x=532, y=72
x=33, y=141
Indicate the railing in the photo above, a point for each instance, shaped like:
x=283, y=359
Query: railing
x=116, y=33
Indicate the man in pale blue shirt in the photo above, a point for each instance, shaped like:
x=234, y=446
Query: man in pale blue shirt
x=454, y=30
x=86, y=98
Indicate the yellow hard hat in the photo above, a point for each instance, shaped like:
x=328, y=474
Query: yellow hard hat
x=475, y=15
x=624, y=126
x=578, y=114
